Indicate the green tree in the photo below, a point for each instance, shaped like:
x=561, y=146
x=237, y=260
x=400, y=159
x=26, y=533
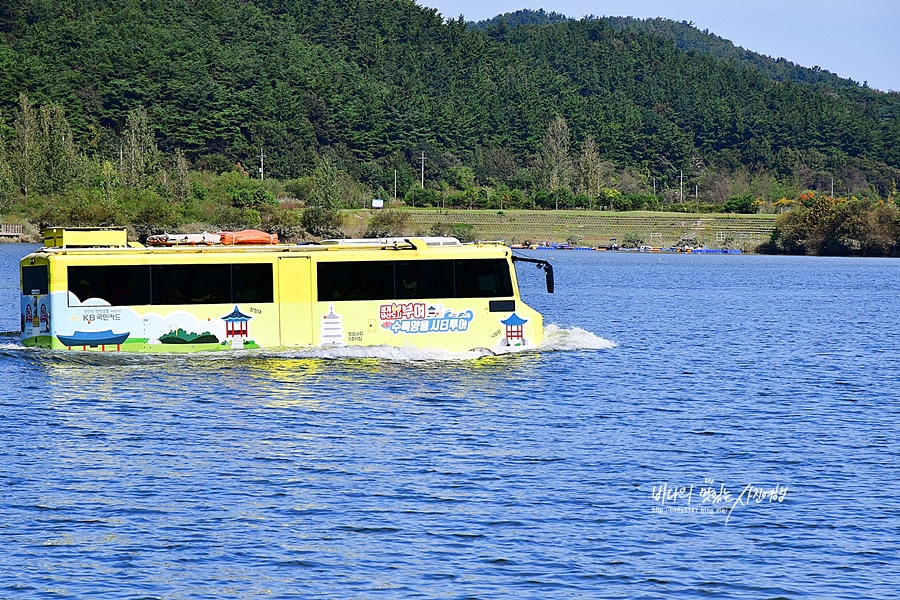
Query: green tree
x=180, y=176
x=252, y=196
x=632, y=240
x=59, y=161
x=495, y=166
x=740, y=204
x=563, y=198
x=26, y=148
x=464, y=232
x=387, y=223
x=417, y=196
x=554, y=161
x=589, y=171
x=7, y=187
x=790, y=233
x=326, y=192
x=613, y=199
x=108, y=180
x=323, y=217
x=461, y=178
x=320, y=223
x=139, y=155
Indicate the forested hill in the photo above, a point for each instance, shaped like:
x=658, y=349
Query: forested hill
x=526, y=16
x=688, y=37
x=378, y=82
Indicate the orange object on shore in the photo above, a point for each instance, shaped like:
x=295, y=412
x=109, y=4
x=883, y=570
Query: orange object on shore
x=248, y=236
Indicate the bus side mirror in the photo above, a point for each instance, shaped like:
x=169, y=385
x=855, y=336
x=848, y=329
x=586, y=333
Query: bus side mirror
x=541, y=264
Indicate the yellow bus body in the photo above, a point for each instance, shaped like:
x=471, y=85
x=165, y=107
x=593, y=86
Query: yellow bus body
x=290, y=313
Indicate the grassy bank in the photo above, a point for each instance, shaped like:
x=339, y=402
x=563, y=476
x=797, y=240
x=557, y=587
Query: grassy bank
x=589, y=228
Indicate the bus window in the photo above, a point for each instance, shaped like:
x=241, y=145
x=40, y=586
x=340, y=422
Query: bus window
x=252, y=283
x=355, y=280
x=35, y=280
x=413, y=279
x=482, y=278
x=191, y=284
x=424, y=279
x=118, y=285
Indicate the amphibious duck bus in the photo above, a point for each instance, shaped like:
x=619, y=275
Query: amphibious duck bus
x=91, y=290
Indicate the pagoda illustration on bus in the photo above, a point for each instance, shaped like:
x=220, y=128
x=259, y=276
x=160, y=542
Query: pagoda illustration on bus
x=515, y=332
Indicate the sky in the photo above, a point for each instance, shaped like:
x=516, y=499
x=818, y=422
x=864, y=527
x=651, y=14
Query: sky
x=855, y=39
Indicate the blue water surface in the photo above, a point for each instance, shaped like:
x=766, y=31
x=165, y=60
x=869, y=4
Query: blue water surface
x=538, y=475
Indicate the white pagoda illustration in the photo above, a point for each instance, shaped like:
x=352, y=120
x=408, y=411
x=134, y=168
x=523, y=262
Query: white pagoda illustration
x=332, y=332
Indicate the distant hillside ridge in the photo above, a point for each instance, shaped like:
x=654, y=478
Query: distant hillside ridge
x=522, y=17
x=688, y=37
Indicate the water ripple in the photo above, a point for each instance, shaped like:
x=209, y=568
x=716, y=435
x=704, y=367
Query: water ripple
x=379, y=472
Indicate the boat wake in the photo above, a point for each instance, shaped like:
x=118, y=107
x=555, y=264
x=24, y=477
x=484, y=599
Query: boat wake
x=556, y=339
x=387, y=353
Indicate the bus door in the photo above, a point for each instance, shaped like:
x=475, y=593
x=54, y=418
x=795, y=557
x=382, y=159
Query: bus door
x=295, y=300
x=35, y=304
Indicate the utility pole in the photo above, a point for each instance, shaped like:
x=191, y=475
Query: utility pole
x=681, y=194
x=395, y=185
x=261, y=164
x=423, y=169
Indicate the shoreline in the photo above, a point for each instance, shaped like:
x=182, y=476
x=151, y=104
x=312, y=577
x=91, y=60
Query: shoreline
x=565, y=227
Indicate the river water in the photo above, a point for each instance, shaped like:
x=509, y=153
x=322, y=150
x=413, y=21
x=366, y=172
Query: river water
x=719, y=426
